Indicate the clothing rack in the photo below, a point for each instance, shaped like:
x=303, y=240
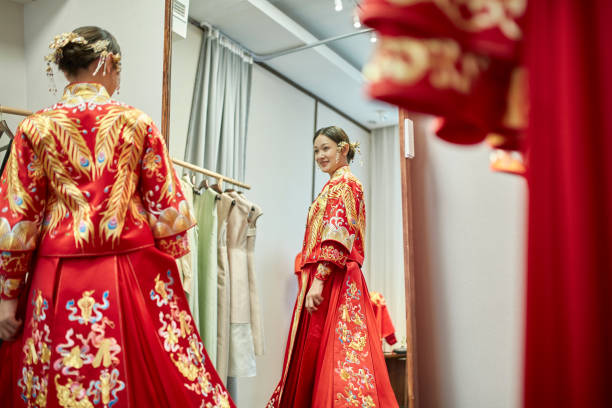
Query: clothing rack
x=220, y=177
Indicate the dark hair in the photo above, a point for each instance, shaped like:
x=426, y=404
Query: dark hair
x=338, y=135
x=77, y=56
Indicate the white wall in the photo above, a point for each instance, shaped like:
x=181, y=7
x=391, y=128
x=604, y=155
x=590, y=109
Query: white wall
x=185, y=52
x=12, y=62
x=385, y=267
x=469, y=254
x=138, y=26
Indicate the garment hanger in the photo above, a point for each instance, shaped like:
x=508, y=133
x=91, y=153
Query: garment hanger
x=5, y=129
x=203, y=184
x=218, y=187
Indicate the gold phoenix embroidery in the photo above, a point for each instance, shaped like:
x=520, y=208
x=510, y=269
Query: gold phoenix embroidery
x=38, y=128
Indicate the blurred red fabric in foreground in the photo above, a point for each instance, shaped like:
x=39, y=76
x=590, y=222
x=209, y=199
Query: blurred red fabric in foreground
x=433, y=57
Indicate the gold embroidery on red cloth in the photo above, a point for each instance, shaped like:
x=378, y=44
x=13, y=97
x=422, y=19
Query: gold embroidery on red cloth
x=170, y=221
x=352, y=334
x=97, y=349
x=339, y=234
x=332, y=254
x=14, y=264
x=21, y=237
x=19, y=200
x=220, y=398
x=323, y=272
x=180, y=339
x=63, y=185
x=476, y=15
x=314, y=223
x=176, y=246
x=408, y=60
x=36, y=354
x=135, y=125
x=68, y=133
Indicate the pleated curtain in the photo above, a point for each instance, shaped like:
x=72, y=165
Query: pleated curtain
x=217, y=133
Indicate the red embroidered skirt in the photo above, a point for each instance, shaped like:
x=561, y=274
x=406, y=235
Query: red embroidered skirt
x=334, y=356
x=108, y=331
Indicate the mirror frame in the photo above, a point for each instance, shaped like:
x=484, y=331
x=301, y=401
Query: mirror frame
x=167, y=69
x=406, y=170
x=410, y=399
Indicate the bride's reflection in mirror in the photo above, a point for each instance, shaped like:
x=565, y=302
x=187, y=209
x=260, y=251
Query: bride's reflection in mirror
x=284, y=333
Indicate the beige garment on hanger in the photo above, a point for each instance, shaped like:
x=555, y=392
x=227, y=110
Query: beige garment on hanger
x=224, y=207
x=241, y=345
x=256, y=319
x=187, y=264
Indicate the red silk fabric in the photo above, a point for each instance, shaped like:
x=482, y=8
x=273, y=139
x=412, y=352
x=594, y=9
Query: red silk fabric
x=110, y=331
x=316, y=361
x=568, y=343
x=383, y=319
x=568, y=141
x=334, y=356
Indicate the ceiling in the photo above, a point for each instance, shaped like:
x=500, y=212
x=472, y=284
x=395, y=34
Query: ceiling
x=332, y=72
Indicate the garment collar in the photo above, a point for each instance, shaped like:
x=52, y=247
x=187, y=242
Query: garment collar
x=85, y=92
x=341, y=172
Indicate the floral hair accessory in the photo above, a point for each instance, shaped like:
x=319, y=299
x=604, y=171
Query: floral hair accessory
x=61, y=40
x=354, y=146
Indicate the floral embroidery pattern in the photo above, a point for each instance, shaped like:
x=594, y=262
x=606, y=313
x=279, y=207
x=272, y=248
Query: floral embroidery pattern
x=14, y=264
x=352, y=336
x=335, y=255
x=175, y=246
x=37, y=355
x=182, y=343
x=323, y=271
x=469, y=15
x=96, y=350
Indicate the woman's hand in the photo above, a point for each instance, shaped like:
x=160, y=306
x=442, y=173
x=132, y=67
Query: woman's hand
x=314, y=298
x=9, y=325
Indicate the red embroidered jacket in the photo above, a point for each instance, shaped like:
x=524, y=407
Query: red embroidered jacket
x=335, y=230
x=88, y=176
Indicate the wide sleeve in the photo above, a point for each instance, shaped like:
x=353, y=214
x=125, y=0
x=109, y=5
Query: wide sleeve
x=343, y=224
x=168, y=211
x=22, y=204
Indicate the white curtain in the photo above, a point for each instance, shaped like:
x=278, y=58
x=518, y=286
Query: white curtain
x=217, y=134
x=385, y=263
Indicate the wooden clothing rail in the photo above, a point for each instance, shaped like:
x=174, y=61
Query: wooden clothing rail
x=220, y=177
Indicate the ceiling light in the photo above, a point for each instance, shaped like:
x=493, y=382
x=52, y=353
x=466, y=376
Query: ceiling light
x=356, y=21
x=373, y=37
x=338, y=5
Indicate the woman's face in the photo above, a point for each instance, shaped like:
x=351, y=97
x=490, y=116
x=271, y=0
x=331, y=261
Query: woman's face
x=326, y=155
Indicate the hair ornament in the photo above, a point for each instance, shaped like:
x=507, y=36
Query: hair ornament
x=59, y=42
x=63, y=39
x=354, y=146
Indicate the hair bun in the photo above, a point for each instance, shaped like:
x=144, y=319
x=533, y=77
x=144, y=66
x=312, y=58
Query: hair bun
x=75, y=50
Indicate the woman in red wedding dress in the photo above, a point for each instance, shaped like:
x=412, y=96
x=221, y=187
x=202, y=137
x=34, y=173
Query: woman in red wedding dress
x=91, y=219
x=334, y=356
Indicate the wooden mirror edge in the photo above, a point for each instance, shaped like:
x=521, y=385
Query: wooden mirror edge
x=408, y=235
x=167, y=69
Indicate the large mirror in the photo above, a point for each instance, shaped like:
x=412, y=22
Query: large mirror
x=247, y=92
